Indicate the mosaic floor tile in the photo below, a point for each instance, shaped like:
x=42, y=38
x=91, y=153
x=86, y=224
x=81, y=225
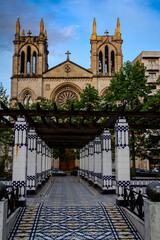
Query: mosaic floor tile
x=70, y=210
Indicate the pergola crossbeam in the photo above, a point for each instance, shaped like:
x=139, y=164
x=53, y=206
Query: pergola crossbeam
x=76, y=133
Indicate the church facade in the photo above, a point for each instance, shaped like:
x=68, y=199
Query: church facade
x=32, y=79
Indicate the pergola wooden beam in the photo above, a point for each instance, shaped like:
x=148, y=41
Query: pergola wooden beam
x=60, y=133
x=51, y=113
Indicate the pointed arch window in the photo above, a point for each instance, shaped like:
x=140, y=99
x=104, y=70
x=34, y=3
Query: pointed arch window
x=27, y=99
x=34, y=62
x=22, y=61
x=28, y=59
x=106, y=60
x=100, y=62
x=112, y=62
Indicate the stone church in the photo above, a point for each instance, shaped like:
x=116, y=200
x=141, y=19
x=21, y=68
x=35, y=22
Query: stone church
x=32, y=79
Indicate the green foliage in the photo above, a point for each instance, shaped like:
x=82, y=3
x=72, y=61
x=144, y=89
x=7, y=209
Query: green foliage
x=128, y=86
x=3, y=96
x=6, y=135
x=89, y=96
x=63, y=156
x=148, y=146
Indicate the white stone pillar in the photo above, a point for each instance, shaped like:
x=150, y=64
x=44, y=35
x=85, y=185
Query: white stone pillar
x=3, y=219
x=39, y=161
x=86, y=161
x=19, y=177
x=107, y=163
x=32, y=162
x=49, y=161
x=122, y=158
x=83, y=162
x=80, y=162
x=151, y=220
x=91, y=159
x=46, y=164
x=43, y=160
x=97, y=160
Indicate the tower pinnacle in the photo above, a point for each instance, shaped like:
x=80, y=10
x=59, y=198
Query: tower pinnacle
x=41, y=26
x=118, y=25
x=117, y=30
x=18, y=27
x=94, y=30
x=45, y=34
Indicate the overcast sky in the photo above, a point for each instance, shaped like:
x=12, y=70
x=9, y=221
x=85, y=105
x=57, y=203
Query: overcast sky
x=69, y=27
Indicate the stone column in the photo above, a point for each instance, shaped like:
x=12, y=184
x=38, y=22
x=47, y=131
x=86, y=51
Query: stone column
x=97, y=160
x=43, y=160
x=122, y=158
x=19, y=177
x=82, y=171
x=32, y=162
x=3, y=219
x=91, y=159
x=80, y=162
x=39, y=161
x=107, y=163
x=151, y=220
x=49, y=162
x=86, y=161
x=46, y=163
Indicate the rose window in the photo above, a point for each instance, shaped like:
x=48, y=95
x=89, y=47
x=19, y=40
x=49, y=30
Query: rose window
x=62, y=97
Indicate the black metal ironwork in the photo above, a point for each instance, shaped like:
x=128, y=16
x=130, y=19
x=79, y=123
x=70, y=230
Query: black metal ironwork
x=134, y=201
x=2, y=190
x=12, y=197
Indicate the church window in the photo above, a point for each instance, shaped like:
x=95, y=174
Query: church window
x=22, y=61
x=27, y=99
x=100, y=62
x=112, y=61
x=106, y=60
x=64, y=95
x=28, y=59
x=152, y=74
x=34, y=62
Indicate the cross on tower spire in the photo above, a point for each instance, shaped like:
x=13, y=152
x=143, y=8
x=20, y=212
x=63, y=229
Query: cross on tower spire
x=67, y=55
x=29, y=33
x=106, y=32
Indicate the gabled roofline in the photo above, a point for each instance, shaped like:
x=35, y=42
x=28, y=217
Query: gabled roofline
x=68, y=61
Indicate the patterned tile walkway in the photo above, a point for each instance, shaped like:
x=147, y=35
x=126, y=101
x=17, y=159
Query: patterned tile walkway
x=72, y=210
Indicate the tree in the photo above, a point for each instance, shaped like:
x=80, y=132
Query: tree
x=129, y=87
x=3, y=96
x=6, y=136
x=89, y=96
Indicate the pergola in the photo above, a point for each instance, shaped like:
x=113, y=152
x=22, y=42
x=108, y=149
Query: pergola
x=75, y=129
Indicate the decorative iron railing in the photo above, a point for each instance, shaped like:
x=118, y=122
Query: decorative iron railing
x=12, y=197
x=134, y=201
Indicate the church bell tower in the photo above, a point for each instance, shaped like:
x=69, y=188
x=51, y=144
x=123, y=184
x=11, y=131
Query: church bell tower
x=106, y=52
x=30, y=60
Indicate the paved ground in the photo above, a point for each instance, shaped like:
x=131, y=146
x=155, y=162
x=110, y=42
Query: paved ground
x=69, y=209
